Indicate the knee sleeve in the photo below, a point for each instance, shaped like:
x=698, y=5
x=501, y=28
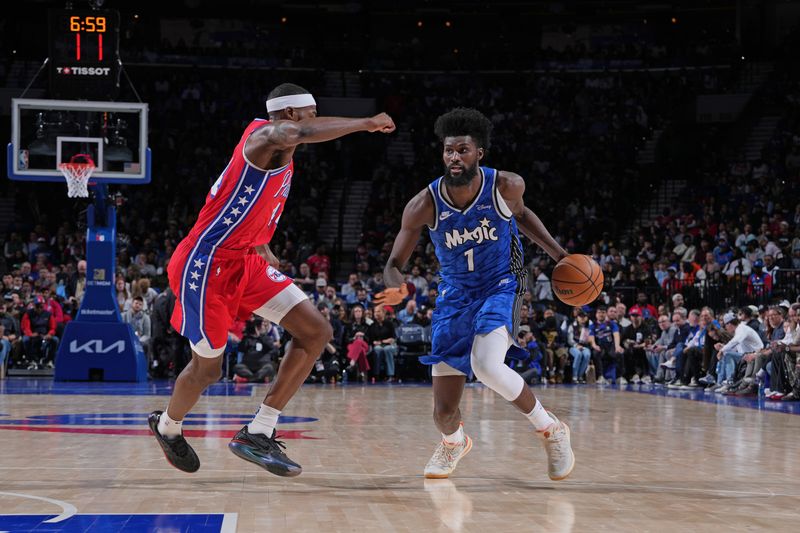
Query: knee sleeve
x=488, y=362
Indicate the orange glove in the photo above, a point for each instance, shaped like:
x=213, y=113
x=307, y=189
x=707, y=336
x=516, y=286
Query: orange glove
x=391, y=296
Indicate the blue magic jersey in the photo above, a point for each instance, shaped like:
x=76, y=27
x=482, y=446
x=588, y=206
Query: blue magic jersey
x=478, y=248
x=480, y=258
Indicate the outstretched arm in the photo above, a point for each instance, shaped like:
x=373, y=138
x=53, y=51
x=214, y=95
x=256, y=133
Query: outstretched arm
x=418, y=212
x=512, y=188
x=281, y=135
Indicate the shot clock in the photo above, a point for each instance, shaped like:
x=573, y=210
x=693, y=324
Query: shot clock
x=84, y=54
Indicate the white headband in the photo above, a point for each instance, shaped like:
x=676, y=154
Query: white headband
x=293, y=100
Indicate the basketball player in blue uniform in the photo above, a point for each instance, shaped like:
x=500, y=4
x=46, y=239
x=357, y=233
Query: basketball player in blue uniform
x=473, y=214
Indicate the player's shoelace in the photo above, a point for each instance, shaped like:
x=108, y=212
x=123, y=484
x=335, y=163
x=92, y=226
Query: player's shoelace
x=271, y=443
x=557, y=441
x=443, y=454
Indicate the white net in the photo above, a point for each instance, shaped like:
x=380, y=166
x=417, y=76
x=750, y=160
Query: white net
x=77, y=176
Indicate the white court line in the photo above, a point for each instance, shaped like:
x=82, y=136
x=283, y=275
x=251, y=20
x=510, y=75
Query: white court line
x=68, y=509
x=228, y=523
x=566, y=484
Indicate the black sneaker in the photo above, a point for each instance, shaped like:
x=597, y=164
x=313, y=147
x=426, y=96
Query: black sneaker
x=177, y=451
x=266, y=452
x=749, y=390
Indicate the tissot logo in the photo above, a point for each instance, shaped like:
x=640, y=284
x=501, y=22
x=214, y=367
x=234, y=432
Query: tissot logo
x=484, y=232
x=96, y=346
x=84, y=71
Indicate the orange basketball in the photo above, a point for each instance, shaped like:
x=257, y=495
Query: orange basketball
x=577, y=280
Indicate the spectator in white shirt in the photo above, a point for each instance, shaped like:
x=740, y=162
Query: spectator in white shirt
x=738, y=266
x=770, y=248
x=686, y=250
x=745, y=237
x=745, y=340
x=770, y=267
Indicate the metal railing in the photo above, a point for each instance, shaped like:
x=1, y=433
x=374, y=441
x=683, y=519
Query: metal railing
x=718, y=291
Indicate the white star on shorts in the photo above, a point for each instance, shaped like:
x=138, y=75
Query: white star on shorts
x=198, y=263
x=235, y=211
x=243, y=200
x=227, y=221
x=195, y=275
x=192, y=286
x=248, y=189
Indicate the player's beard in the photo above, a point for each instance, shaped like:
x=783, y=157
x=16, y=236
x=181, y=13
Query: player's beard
x=467, y=173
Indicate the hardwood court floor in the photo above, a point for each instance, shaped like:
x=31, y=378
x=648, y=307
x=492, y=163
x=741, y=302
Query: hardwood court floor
x=645, y=462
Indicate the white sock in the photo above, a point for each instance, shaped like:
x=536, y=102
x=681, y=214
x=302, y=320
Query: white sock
x=265, y=421
x=456, y=438
x=539, y=417
x=168, y=427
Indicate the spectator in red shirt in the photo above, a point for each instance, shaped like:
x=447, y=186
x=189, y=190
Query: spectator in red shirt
x=672, y=283
x=759, y=284
x=51, y=305
x=319, y=262
x=644, y=307
x=38, y=328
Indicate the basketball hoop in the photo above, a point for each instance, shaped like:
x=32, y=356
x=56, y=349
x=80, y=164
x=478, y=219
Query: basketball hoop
x=77, y=175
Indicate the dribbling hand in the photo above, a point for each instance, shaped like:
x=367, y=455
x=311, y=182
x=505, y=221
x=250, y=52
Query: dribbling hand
x=391, y=296
x=381, y=122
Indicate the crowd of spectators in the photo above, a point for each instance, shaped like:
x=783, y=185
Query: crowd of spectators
x=575, y=138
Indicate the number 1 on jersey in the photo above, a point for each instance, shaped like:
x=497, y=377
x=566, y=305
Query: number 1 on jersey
x=470, y=260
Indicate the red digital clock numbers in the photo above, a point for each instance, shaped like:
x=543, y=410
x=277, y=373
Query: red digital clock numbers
x=79, y=25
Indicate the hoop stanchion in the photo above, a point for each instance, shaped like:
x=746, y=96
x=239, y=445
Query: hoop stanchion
x=97, y=344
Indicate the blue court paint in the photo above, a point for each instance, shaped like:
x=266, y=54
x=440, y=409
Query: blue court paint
x=122, y=523
x=698, y=395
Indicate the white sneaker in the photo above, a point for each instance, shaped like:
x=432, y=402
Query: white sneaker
x=647, y=380
x=669, y=364
x=556, y=440
x=445, y=459
x=722, y=388
x=636, y=379
x=602, y=381
x=622, y=381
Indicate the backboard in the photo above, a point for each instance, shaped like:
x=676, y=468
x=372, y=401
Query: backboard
x=45, y=133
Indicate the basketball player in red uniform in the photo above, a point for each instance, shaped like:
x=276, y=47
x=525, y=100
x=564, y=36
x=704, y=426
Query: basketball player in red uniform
x=224, y=269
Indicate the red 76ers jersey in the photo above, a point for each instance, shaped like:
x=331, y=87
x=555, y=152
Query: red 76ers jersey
x=245, y=204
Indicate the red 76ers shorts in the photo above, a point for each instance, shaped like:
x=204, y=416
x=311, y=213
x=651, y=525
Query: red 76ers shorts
x=214, y=286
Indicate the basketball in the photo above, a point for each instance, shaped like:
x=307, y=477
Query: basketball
x=577, y=280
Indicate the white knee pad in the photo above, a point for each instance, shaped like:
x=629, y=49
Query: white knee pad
x=488, y=362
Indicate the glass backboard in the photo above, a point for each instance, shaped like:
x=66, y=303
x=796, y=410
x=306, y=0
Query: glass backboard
x=45, y=133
